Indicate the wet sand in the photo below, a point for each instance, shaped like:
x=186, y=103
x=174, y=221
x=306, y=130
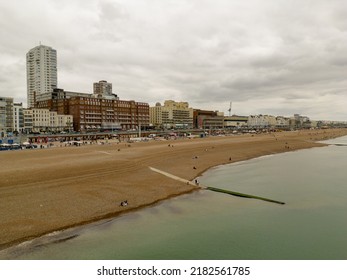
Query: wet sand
x=42, y=191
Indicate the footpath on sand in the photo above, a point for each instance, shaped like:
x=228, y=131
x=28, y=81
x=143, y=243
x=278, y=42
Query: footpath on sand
x=197, y=184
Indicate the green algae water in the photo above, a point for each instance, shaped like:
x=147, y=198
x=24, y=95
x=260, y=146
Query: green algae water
x=208, y=225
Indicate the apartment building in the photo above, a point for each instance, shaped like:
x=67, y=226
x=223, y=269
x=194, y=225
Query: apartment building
x=18, y=117
x=6, y=114
x=43, y=120
x=102, y=89
x=28, y=121
x=298, y=121
x=41, y=63
x=282, y=122
x=172, y=115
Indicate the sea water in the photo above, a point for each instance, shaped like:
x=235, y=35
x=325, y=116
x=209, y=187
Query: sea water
x=207, y=225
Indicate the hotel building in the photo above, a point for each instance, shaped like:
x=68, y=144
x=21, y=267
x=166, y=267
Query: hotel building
x=92, y=113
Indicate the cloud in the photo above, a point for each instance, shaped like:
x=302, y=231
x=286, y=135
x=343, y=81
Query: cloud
x=280, y=56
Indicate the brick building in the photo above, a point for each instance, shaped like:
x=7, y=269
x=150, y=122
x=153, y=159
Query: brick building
x=91, y=113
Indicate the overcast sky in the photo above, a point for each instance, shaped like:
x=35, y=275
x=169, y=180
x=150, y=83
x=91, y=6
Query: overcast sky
x=274, y=57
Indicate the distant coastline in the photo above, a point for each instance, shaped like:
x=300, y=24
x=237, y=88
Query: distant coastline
x=53, y=189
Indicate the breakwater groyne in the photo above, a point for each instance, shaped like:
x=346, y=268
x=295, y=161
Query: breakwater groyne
x=243, y=195
x=213, y=188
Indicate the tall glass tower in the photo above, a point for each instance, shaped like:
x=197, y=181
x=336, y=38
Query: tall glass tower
x=41, y=72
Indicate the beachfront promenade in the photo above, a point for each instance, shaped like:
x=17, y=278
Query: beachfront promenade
x=51, y=189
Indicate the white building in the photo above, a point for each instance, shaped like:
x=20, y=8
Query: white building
x=41, y=72
x=18, y=118
x=43, y=120
x=262, y=121
x=28, y=120
x=282, y=122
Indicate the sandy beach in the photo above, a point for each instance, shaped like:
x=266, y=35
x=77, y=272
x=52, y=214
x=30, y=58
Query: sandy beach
x=45, y=190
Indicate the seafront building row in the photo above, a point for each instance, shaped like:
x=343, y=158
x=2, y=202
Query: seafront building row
x=81, y=112
x=52, y=109
x=15, y=118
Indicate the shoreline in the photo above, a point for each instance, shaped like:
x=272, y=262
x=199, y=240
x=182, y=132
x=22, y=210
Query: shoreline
x=74, y=227
x=35, y=199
